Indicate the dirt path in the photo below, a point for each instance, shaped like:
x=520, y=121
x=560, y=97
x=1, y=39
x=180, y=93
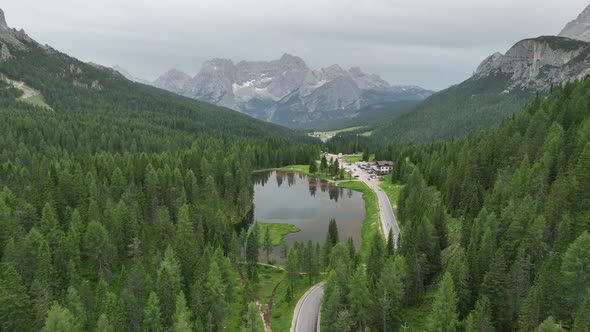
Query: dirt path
x=264, y=315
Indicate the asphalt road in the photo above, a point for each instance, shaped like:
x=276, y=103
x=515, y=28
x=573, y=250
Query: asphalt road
x=386, y=216
x=307, y=311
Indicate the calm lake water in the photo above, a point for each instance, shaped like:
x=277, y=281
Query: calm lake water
x=309, y=204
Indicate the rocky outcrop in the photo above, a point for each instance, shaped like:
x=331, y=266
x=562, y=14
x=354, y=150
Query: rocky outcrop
x=172, y=80
x=4, y=52
x=11, y=37
x=539, y=63
x=578, y=28
x=286, y=91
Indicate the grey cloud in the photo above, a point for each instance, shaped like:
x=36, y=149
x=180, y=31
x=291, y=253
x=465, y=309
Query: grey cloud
x=432, y=43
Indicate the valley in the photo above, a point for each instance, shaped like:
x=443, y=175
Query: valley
x=291, y=194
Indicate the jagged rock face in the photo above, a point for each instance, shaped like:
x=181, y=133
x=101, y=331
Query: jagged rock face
x=172, y=80
x=286, y=91
x=3, y=25
x=4, y=52
x=11, y=37
x=539, y=63
x=578, y=28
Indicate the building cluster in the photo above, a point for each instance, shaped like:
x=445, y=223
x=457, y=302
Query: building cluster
x=380, y=167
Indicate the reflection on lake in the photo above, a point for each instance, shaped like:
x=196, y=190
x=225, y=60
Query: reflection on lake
x=309, y=204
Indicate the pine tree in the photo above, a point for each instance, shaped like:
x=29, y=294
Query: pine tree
x=253, y=323
x=59, y=319
x=252, y=251
x=97, y=246
x=390, y=247
x=389, y=294
x=359, y=300
x=215, y=293
x=15, y=311
x=313, y=167
x=76, y=307
x=343, y=322
x=582, y=320
x=152, y=317
x=324, y=164
x=169, y=285
x=495, y=288
x=574, y=272
x=332, y=239
x=480, y=319
x=103, y=324
x=375, y=259
x=267, y=244
x=548, y=325
x=186, y=244
x=182, y=316
x=443, y=317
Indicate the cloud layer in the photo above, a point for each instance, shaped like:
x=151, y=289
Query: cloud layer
x=431, y=43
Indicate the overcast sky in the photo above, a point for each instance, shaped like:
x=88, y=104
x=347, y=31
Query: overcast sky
x=432, y=43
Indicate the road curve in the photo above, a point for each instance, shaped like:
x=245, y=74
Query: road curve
x=386, y=216
x=307, y=311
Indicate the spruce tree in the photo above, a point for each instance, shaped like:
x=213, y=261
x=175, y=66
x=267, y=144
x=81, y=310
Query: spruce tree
x=582, y=320
x=443, y=317
x=181, y=321
x=313, y=166
x=15, y=304
x=574, y=273
x=480, y=319
x=152, y=317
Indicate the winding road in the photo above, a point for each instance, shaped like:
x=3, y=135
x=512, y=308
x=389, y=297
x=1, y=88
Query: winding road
x=307, y=312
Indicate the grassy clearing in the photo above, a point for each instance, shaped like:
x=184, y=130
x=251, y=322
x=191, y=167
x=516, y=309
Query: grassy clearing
x=276, y=231
x=415, y=316
x=367, y=134
x=37, y=100
x=282, y=310
x=352, y=158
x=268, y=277
x=392, y=190
x=371, y=223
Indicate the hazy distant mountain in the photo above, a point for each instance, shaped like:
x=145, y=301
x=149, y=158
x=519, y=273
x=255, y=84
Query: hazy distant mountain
x=286, y=91
x=578, y=28
x=130, y=77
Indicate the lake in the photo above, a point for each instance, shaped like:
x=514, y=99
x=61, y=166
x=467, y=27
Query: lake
x=309, y=204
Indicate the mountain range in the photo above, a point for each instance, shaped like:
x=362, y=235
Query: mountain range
x=286, y=91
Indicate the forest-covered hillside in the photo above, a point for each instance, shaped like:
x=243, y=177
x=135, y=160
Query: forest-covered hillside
x=121, y=206
x=498, y=221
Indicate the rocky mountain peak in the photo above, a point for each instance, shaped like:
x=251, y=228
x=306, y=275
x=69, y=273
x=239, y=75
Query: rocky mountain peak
x=292, y=61
x=285, y=90
x=3, y=24
x=578, y=28
x=539, y=63
x=356, y=72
